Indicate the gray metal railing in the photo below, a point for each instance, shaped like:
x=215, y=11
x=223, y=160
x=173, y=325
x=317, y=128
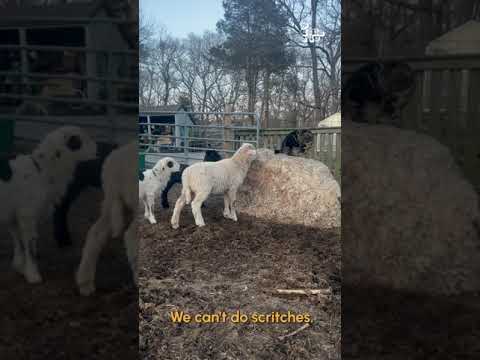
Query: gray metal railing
x=189, y=141
x=102, y=103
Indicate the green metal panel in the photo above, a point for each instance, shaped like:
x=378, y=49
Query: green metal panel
x=7, y=128
x=141, y=162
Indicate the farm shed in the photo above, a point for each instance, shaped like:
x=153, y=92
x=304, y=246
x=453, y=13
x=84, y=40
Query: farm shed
x=170, y=121
x=334, y=120
x=464, y=40
x=85, y=43
x=75, y=62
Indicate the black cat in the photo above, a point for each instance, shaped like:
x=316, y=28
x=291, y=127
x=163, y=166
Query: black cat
x=377, y=90
x=296, y=142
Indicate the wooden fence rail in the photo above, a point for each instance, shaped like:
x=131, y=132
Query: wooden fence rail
x=326, y=144
x=445, y=105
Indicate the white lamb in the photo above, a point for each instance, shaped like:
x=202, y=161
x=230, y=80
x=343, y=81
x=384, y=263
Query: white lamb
x=119, y=182
x=205, y=178
x=154, y=182
x=34, y=184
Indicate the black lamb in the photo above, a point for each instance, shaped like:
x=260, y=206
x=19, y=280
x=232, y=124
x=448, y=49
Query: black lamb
x=87, y=174
x=176, y=178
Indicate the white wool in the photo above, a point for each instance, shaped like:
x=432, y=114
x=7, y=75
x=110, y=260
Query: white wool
x=221, y=177
x=155, y=180
x=118, y=183
x=120, y=198
x=38, y=182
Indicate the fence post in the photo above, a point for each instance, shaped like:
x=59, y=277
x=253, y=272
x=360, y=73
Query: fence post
x=227, y=133
x=185, y=150
x=330, y=150
x=338, y=157
x=149, y=132
x=257, y=119
x=23, y=57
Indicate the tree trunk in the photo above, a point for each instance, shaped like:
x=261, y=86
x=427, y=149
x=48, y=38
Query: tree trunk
x=266, y=100
x=166, y=96
x=251, y=78
x=313, y=53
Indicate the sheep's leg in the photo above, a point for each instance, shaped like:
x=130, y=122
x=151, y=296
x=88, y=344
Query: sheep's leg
x=165, y=203
x=200, y=197
x=60, y=217
x=232, y=194
x=96, y=239
x=18, y=262
x=151, y=203
x=227, y=212
x=145, y=204
x=131, y=246
x=165, y=191
x=60, y=224
x=179, y=205
x=28, y=234
x=34, y=247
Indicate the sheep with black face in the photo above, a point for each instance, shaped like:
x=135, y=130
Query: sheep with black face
x=37, y=182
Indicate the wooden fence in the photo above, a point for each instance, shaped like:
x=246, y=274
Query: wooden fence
x=326, y=145
x=445, y=105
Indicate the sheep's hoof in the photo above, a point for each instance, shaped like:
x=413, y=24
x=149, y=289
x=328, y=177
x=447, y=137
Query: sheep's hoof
x=86, y=289
x=201, y=224
x=152, y=221
x=175, y=226
x=85, y=286
x=230, y=217
x=33, y=277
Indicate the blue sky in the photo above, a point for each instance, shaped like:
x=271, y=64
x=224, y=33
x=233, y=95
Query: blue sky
x=181, y=17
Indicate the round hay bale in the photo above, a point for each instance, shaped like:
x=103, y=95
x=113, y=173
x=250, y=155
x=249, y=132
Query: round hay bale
x=290, y=190
x=410, y=215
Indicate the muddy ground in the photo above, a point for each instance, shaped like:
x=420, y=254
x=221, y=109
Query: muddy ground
x=229, y=266
x=51, y=320
x=392, y=325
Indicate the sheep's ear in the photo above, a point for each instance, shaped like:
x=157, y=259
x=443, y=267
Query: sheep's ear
x=74, y=143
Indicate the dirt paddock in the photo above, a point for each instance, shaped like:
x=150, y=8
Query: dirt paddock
x=386, y=324
x=227, y=266
x=51, y=320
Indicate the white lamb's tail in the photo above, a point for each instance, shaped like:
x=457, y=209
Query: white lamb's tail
x=187, y=192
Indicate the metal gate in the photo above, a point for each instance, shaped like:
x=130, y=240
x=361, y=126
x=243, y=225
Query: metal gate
x=187, y=136
x=96, y=96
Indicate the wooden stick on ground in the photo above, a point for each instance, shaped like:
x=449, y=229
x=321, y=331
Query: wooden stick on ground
x=321, y=292
x=303, y=327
